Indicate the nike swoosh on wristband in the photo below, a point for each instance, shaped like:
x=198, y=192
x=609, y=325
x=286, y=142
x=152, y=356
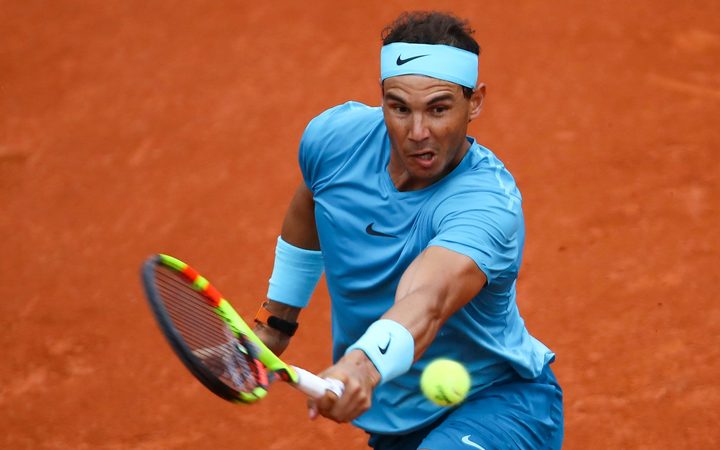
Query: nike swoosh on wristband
x=466, y=440
x=400, y=61
x=383, y=350
x=369, y=229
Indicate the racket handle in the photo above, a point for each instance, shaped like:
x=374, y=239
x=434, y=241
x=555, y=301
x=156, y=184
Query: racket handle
x=315, y=387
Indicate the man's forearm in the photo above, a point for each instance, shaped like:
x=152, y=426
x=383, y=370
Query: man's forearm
x=276, y=340
x=421, y=319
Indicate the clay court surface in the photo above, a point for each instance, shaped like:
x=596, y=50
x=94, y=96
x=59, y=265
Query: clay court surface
x=132, y=127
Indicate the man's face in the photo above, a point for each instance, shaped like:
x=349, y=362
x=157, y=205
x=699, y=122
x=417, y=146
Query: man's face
x=427, y=121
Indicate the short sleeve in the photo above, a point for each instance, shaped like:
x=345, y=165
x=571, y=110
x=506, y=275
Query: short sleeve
x=309, y=154
x=328, y=138
x=488, y=227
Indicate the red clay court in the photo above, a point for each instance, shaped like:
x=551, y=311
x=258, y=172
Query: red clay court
x=132, y=127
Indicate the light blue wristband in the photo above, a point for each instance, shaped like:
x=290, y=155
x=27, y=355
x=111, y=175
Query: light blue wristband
x=389, y=346
x=295, y=274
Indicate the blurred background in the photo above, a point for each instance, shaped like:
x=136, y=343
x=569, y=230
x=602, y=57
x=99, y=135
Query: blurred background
x=133, y=127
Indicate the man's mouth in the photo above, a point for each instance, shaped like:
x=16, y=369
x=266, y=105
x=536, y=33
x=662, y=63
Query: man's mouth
x=424, y=159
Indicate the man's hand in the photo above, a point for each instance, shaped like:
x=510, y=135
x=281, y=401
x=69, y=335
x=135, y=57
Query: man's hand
x=360, y=377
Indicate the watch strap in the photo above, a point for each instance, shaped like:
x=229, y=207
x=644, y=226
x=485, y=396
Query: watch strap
x=276, y=323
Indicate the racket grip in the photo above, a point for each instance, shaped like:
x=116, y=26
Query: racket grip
x=315, y=387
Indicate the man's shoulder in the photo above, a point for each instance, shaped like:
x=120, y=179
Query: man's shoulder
x=482, y=180
x=340, y=117
x=340, y=127
x=352, y=107
x=335, y=135
x=481, y=157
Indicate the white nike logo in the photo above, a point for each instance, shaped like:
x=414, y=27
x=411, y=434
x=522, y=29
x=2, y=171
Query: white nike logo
x=466, y=440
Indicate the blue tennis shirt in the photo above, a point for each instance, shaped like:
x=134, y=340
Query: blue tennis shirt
x=370, y=233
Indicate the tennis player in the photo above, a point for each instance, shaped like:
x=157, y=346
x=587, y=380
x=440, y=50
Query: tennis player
x=419, y=230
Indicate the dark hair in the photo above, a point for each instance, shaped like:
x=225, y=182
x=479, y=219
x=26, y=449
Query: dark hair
x=432, y=27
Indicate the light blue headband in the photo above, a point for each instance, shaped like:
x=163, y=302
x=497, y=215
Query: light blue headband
x=438, y=61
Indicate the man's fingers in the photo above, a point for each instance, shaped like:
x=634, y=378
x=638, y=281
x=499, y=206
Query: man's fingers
x=312, y=409
x=322, y=405
x=346, y=408
x=357, y=393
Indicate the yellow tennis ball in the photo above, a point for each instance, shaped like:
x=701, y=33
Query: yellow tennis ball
x=445, y=382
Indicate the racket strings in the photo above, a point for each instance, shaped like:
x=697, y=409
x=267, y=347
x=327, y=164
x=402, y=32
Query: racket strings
x=231, y=359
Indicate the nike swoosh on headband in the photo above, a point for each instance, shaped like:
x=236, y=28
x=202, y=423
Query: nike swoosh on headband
x=401, y=61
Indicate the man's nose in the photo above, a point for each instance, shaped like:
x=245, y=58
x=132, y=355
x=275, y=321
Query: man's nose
x=419, y=130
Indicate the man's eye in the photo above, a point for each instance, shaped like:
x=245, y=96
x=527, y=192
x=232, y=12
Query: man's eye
x=401, y=109
x=439, y=109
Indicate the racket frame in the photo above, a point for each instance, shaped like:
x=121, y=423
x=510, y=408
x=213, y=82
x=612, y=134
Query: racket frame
x=307, y=382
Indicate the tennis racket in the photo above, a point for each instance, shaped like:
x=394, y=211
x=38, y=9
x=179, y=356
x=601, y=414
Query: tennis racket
x=213, y=341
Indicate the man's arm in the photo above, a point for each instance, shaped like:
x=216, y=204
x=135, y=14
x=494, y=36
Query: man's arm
x=298, y=229
x=435, y=285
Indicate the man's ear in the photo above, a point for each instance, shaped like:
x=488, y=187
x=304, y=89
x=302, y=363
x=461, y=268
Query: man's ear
x=476, y=102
